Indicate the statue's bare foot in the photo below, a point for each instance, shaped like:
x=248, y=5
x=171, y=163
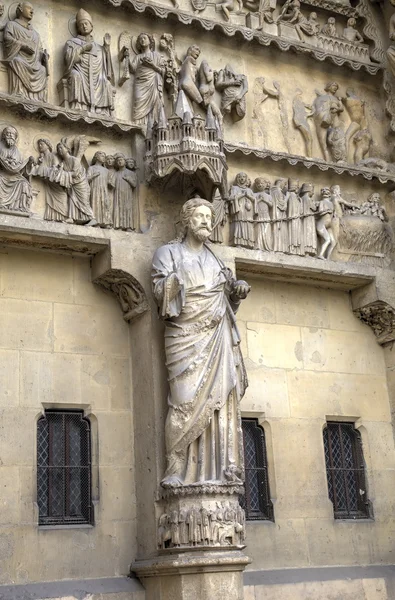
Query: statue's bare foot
x=171, y=481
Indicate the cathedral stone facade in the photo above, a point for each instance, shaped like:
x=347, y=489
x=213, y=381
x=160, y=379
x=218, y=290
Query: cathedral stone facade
x=197, y=300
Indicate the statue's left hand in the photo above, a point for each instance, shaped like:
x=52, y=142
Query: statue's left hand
x=107, y=39
x=240, y=290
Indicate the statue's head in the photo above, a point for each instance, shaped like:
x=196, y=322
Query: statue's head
x=307, y=188
x=43, y=144
x=25, y=10
x=281, y=183
x=2, y=9
x=197, y=217
x=313, y=16
x=293, y=185
x=325, y=192
x=332, y=87
x=84, y=22
x=193, y=51
x=131, y=164
x=374, y=198
x=145, y=41
x=119, y=161
x=242, y=179
x=335, y=190
x=62, y=149
x=261, y=184
x=166, y=42
x=351, y=22
x=99, y=157
x=110, y=160
x=331, y=21
x=9, y=136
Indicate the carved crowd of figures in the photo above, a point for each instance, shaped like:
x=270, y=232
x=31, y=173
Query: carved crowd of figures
x=222, y=526
x=286, y=217
x=102, y=194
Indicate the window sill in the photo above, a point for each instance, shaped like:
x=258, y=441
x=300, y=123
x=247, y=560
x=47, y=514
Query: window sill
x=350, y=520
x=74, y=526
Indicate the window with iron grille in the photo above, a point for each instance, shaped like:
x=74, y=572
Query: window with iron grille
x=345, y=471
x=64, y=468
x=256, y=502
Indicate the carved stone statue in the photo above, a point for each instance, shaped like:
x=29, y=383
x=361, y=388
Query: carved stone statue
x=148, y=67
x=290, y=11
x=207, y=91
x=229, y=6
x=391, y=50
x=197, y=298
x=233, y=88
x=15, y=190
x=220, y=207
x=294, y=218
x=351, y=34
x=309, y=208
x=324, y=223
x=89, y=71
x=188, y=86
x=280, y=222
x=263, y=204
x=357, y=134
x=125, y=182
x=172, y=67
x=327, y=108
x=26, y=60
x=329, y=28
x=242, y=205
x=308, y=26
x=301, y=113
x=339, y=204
x=264, y=10
x=101, y=181
x=374, y=208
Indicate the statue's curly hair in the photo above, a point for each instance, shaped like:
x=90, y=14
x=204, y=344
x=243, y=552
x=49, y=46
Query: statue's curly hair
x=187, y=211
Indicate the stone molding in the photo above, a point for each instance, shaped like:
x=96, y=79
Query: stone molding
x=294, y=159
x=189, y=563
x=248, y=34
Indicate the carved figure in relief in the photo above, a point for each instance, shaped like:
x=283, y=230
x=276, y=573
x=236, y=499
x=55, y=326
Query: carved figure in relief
x=309, y=209
x=89, y=70
x=327, y=108
x=263, y=91
x=263, y=204
x=182, y=520
x=100, y=183
x=221, y=210
x=358, y=133
x=233, y=88
x=164, y=533
x=125, y=182
x=242, y=207
x=56, y=200
x=339, y=204
x=301, y=113
x=290, y=12
x=280, y=222
x=174, y=529
x=230, y=6
x=16, y=193
x=198, y=297
x=336, y=143
x=26, y=60
x=172, y=68
x=207, y=90
x=308, y=26
x=205, y=526
x=149, y=68
x=391, y=50
x=374, y=208
x=351, y=34
x=188, y=85
x=194, y=521
x=329, y=28
x=264, y=10
x=294, y=218
x=325, y=231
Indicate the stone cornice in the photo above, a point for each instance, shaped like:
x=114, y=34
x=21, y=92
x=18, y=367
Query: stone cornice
x=230, y=30
x=294, y=159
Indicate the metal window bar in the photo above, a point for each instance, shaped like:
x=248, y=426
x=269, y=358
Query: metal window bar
x=64, y=468
x=345, y=471
x=256, y=502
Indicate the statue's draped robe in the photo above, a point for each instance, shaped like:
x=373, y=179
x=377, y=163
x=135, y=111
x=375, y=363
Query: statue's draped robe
x=125, y=182
x=89, y=75
x=101, y=202
x=72, y=176
x=309, y=231
x=56, y=201
x=206, y=372
x=242, y=207
x=148, y=87
x=295, y=223
x=27, y=74
x=15, y=190
x=280, y=226
x=264, y=238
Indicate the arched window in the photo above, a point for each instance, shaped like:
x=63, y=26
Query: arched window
x=345, y=471
x=256, y=503
x=64, y=468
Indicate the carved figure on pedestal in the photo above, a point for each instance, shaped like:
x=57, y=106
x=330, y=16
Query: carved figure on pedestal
x=324, y=223
x=263, y=204
x=198, y=297
x=294, y=218
x=188, y=86
x=26, y=60
x=280, y=222
x=351, y=34
x=233, y=88
x=16, y=193
x=307, y=26
x=329, y=28
x=56, y=200
x=125, y=182
x=309, y=209
x=220, y=207
x=149, y=68
x=330, y=129
x=207, y=91
x=101, y=181
x=357, y=133
x=89, y=71
x=242, y=207
x=301, y=113
x=172, y=68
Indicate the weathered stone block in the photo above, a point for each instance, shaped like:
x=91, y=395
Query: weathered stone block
x=274, y=345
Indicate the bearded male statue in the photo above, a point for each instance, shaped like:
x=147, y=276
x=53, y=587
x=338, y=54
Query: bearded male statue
x=198, y=298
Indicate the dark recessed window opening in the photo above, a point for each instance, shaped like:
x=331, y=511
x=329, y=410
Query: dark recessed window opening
x=256, y=501
x=64, y=468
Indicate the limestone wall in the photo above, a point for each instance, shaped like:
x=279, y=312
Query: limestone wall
x=63, y=344
x=309, y=359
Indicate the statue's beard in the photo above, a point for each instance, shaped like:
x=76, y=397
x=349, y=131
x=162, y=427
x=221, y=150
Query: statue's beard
x=201, y=233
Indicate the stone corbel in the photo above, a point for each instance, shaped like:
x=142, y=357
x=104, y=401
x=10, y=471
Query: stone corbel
x=127, y=289
x=374, y=304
